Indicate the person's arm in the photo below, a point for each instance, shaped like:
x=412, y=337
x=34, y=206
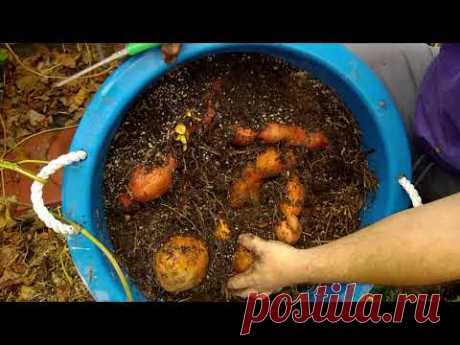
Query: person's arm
x=419, y=246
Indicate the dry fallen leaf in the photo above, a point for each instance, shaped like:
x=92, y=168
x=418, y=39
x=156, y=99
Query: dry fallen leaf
x=27, y=82
x=8, y=254
x=26, y=293
x=33, y=263
x=6, y=208
x=66, y=60
x=36, y=119
x=80, y=98
x=11, y=278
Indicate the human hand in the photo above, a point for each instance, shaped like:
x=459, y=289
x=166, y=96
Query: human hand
x=277, y=265
x=169, y=52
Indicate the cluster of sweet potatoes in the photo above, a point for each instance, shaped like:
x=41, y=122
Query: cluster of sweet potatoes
x=271, y=163
x=181, y=263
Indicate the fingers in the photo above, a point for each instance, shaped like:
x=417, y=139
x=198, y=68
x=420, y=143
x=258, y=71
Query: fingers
x=245, y=292
x=252, y=242
x=245, y=281
x=241, y=281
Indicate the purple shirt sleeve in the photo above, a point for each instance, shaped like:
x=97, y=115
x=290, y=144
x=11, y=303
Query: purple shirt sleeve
x=437, y=114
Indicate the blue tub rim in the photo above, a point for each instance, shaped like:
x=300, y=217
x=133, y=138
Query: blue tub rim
x=333, y=64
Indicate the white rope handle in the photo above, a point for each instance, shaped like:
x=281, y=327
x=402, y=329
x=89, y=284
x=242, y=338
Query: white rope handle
x=409, y=188
x=36, y=192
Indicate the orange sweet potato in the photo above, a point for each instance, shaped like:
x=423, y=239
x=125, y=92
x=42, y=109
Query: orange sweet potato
x=269, y=163
x=295, y=194
x=292, y=135
x=289, y=230
x=125, y=201
x=243, y=259
x=316, y=140
x=146, y=185
x=243, y=136
x=246, y=188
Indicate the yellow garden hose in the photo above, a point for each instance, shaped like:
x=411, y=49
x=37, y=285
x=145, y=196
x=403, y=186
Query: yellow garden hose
x=50, y=220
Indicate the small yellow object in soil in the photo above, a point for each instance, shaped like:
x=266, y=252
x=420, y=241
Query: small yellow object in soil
x=182, y=138
x=188, y=113
x=180, y=129
x=222, y=231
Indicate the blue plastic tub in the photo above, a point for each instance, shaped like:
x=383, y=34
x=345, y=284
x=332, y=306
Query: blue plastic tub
x=333, y=64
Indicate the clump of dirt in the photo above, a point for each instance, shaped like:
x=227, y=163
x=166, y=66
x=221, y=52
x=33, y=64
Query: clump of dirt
x=251, y=90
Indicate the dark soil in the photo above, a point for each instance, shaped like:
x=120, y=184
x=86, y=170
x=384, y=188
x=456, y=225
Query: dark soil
x=247, y=89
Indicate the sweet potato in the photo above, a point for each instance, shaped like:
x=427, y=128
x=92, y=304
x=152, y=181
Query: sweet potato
x=146, y=185
x=210, y=113
x=125, y=202
x=268, y=164
x=246, y=188
x=295, y=195
x=243, y=259
x=243, y=136
x=275, y=133
x=289, y=230
x=316, y=140
x=216, y=86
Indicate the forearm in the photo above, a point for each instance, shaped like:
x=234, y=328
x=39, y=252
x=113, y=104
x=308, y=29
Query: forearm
x=416, y=247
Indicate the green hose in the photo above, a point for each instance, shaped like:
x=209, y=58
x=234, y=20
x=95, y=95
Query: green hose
x=3, y=56
x=136, y=48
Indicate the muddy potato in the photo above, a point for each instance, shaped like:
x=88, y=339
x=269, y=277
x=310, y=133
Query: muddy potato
x=181, y=263
x=289, y=230
x=243, y=259
x=216, y=86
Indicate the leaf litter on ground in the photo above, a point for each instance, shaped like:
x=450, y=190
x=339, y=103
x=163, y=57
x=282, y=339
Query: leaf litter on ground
x=35, y=264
